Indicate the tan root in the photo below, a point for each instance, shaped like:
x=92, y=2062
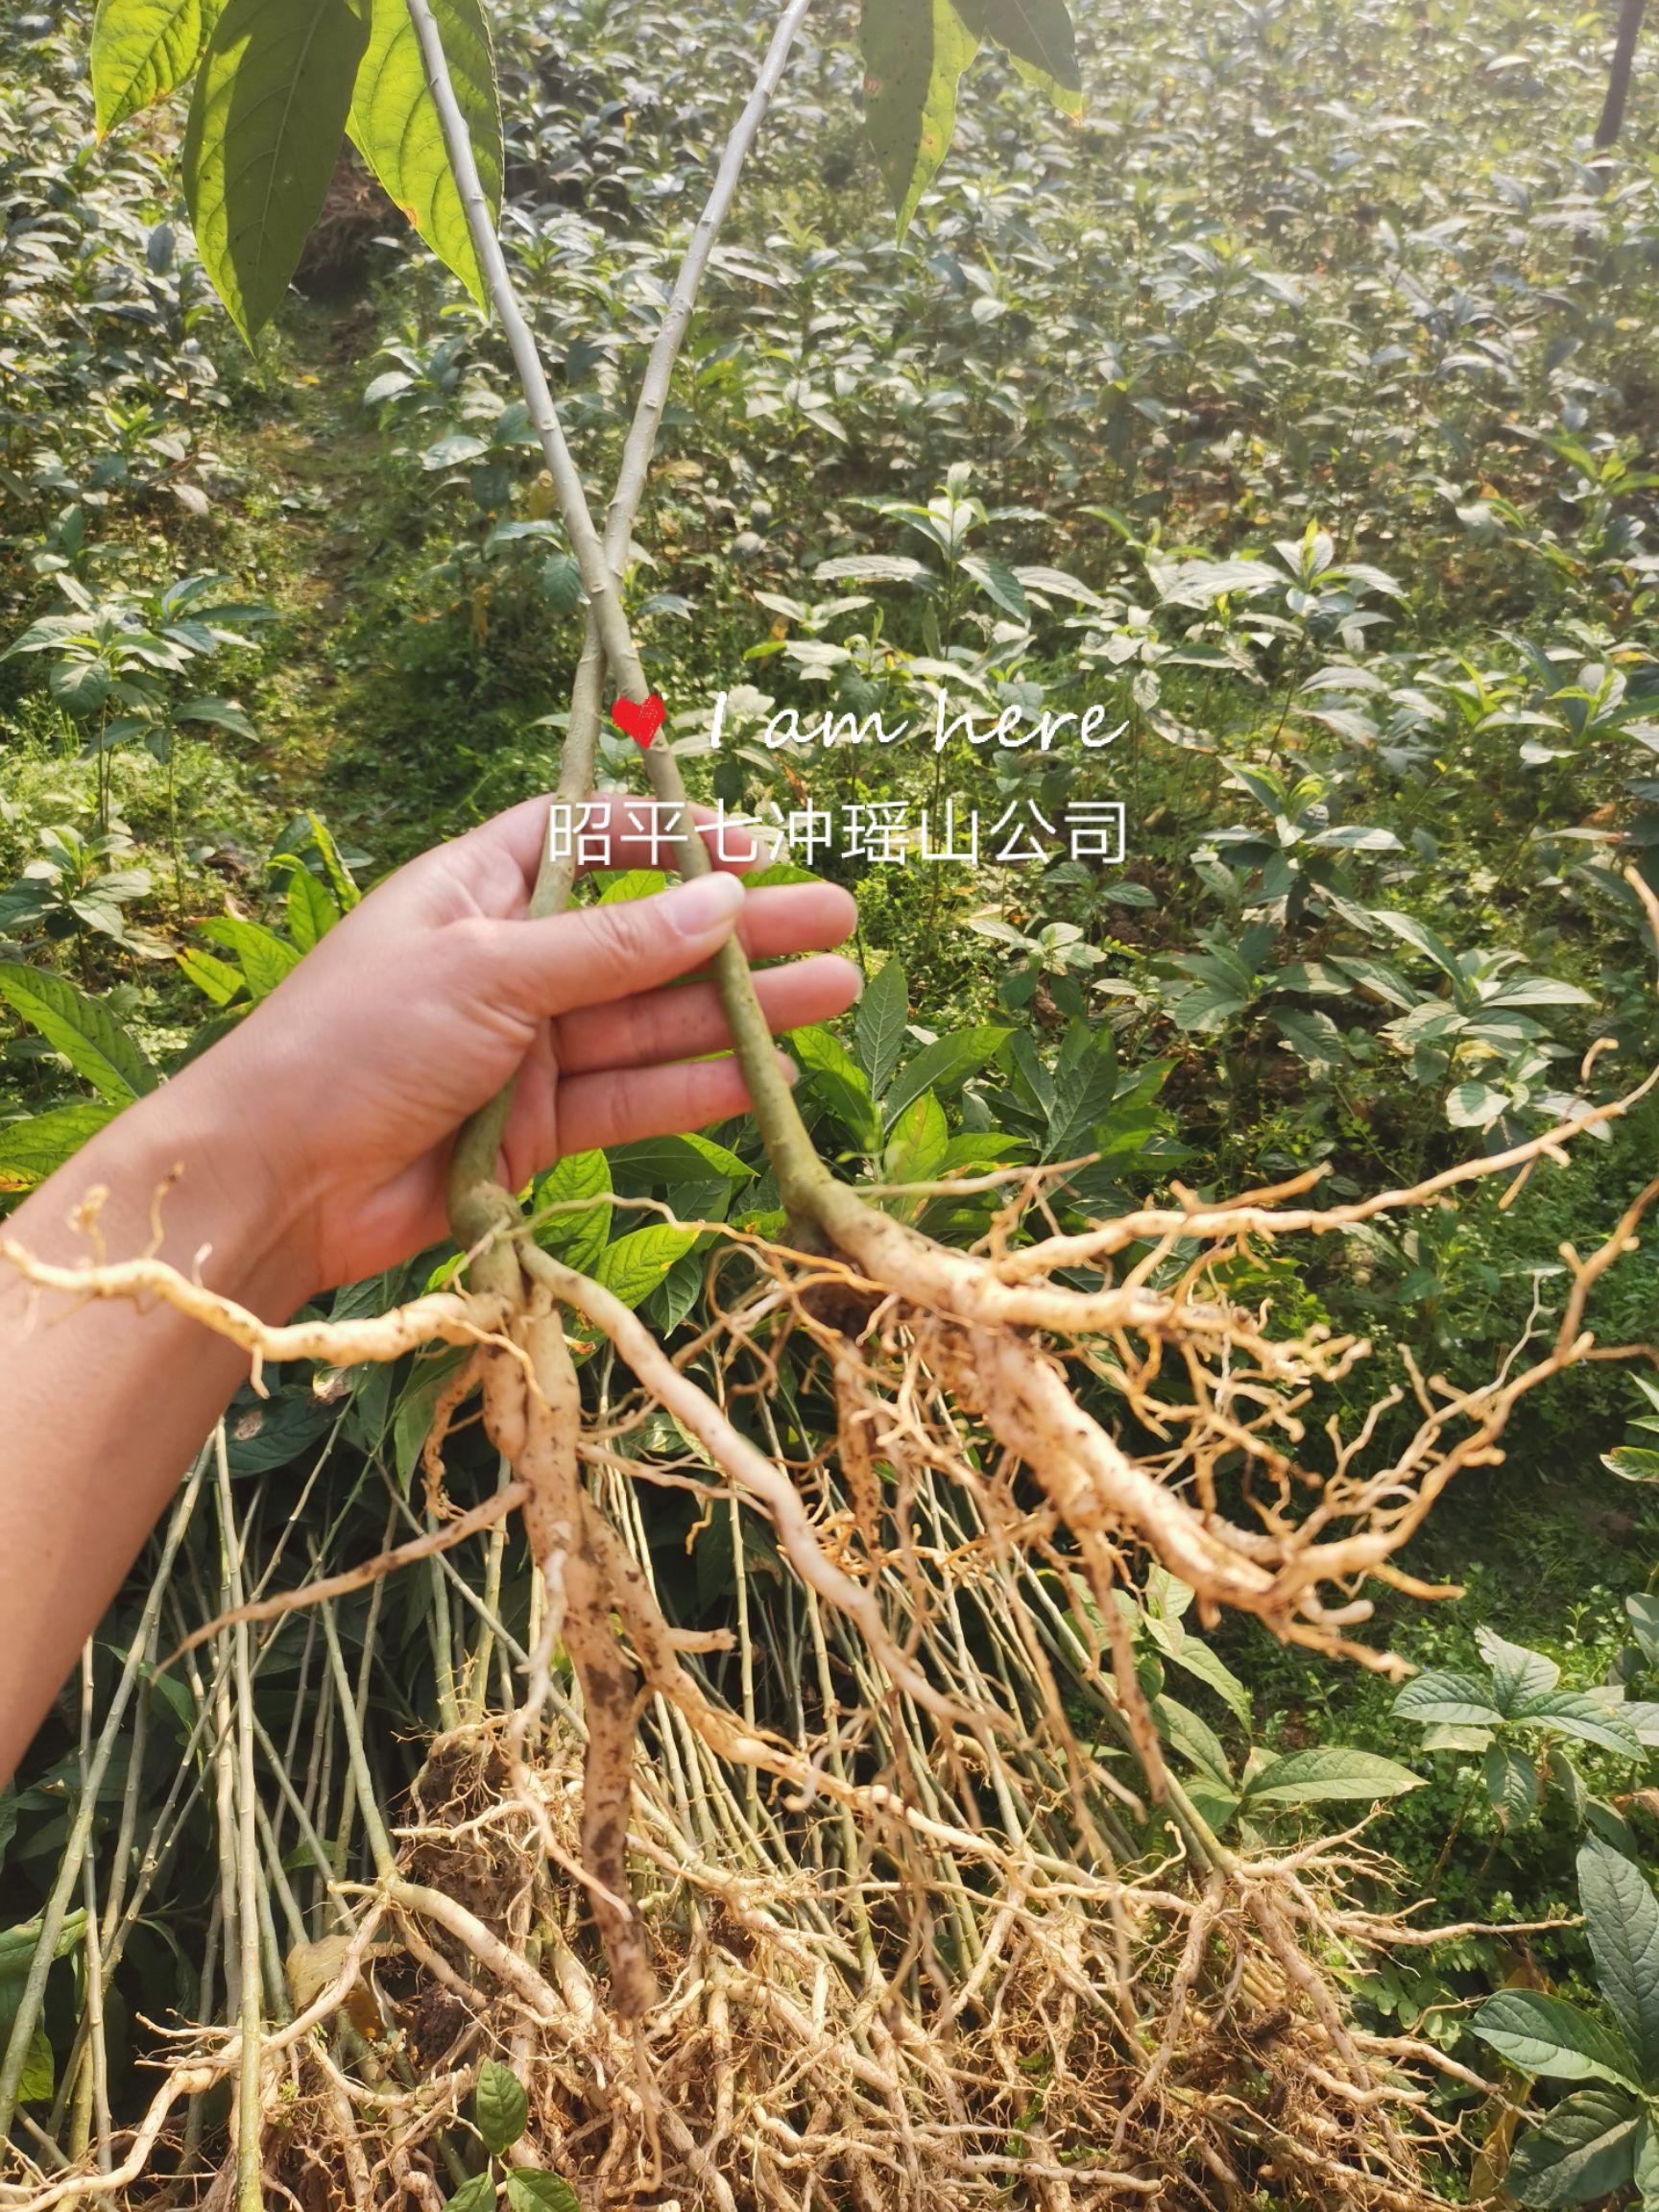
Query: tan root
x=935, y=1963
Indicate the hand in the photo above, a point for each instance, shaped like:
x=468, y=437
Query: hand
x=351, y=1080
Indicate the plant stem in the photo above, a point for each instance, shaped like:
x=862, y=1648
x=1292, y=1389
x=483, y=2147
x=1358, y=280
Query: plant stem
x=379, y=1843
x=1457, y=1828
x=96, y=2059
x=69, y=1865
x=585, y=543
x=250, y=2117
x=477, y=1213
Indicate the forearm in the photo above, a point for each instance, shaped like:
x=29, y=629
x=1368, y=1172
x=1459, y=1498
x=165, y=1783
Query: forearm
x=102, y=1404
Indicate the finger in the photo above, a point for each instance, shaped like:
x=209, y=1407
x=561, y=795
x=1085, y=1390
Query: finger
x=785, y=918
x=615, y=830
x=594, y=953
x=623, y=1105
x=598, y=953
x=679, y=1024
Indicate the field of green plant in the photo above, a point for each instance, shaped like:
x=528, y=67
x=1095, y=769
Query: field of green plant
x=1295, y=404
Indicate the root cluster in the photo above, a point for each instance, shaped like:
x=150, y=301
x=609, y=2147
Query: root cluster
x=1098, y=2040
x=941, y=1922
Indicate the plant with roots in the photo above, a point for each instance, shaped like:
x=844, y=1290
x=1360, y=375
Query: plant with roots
x=961, y=1545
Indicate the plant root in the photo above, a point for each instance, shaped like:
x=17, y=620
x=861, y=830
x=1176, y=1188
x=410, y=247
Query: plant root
x=929, y=1962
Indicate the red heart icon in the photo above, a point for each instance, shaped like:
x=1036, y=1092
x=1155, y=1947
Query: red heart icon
x=642, y=722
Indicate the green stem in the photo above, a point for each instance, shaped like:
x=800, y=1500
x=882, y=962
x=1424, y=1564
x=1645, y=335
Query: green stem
x=1457, y=1828
x=249, y=1889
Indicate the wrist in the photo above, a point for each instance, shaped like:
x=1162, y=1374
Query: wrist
x=187, y=1162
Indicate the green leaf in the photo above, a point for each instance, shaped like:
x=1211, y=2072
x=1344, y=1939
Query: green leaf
x=1038, y=34
x=944, y=1065
x=632, y=883
x=1313, y=1037
x=142, y=50
x=412, y=1416
x=95, y=1046
x=1646, y=2163
x=1546, y=2035
x=396, y=127
x=280, y=1429
x=1192, y=1736
x=862, y=569
x=1448, y=1736
x=1199, y=1659
x=39, y=2075
x=679, y=1292
x=1330, y=1772
x=673, y=1160
x=1419, y=936
x=1643, y=1615
x=1632, y=1463
x=562, y=582
x=914, y=52
x=17, y=1944
x=1511, y=1782
x=829, y=1071
x=264, y=957
x=1474, y=1105
x=1606, y=1821
x=878, y=1027
x=476, y=2196
x=7, y=1817
x=32, y=1151
x=1217, y=1807
x=1208, y=1006
x=580, y=1236
x=916, y=1147
x=264, y=133
x=1517, y=1673
x=311, y=912
x=1586, y=2148
x=1463, y=1700
x=1085, y=1086
x=346, y=890
x=632, y=1267
x=999, y=583
x=215, y=979
x=1569, y=1781
x=1574, y=1713
x=220, y=713
x=500, y=2108
x=529, y=2190
x=1622, y=1920
x=1169, y=1599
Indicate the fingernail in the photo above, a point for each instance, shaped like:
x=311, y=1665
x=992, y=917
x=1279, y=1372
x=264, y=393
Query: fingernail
x=705, y=905
x=792, y=1072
